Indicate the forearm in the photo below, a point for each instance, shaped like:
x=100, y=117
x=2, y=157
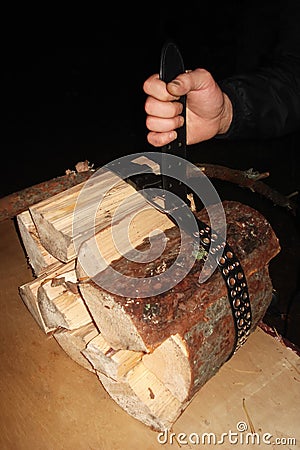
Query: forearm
x=266, y=103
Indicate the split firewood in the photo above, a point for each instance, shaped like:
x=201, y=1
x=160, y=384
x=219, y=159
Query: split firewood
x=112, y=363
x=60, y=302
x=132, y=385
x=130, y=228
x=183, y=336
x=74, y=342
x=29, y=294
x=54, y=216
x=181, y=364
x=38, y=257
x=78, y=213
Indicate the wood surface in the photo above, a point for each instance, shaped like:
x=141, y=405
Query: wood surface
x=74, y=342
x=38, y=257
x=29, y=293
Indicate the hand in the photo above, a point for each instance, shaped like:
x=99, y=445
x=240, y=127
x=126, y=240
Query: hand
x=208, y=109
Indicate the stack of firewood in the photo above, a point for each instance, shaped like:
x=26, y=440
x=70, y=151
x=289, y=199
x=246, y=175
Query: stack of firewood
x=152, y=353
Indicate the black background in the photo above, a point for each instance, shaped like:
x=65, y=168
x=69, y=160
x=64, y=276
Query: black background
x=71, y=85
x=71, y=90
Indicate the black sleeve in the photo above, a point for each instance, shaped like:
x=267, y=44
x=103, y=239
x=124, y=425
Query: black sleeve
x=266, y=102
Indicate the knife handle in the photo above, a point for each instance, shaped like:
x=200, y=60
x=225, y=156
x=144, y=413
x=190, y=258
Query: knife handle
x=171, y=65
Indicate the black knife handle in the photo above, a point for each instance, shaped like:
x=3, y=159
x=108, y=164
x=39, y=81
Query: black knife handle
x=172, y=65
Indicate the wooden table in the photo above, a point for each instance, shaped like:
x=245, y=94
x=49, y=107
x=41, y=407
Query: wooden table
x=49, y=402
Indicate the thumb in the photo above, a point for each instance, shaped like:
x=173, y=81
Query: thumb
x=179, y=86
x=189, y=81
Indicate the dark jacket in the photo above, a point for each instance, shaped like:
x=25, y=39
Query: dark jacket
x=266, y=96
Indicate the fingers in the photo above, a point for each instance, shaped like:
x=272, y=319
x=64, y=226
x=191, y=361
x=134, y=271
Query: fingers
x=161, y=124
x=157, y=88
x=163, y=112
x=162, y=131
x=205, y=104
x=162, y=109
x=161, y=139
x=154, y=107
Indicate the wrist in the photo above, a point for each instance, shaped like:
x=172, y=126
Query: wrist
x=226, y=115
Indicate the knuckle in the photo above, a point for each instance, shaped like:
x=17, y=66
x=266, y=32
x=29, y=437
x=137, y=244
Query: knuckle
x=148, y=105
x=149, y=123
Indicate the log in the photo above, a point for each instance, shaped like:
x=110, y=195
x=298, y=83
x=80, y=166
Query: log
x=126, y=323
x=185, y=334
x=38, y=257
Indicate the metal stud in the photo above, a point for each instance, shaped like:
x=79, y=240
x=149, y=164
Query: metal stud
x=222, y=260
